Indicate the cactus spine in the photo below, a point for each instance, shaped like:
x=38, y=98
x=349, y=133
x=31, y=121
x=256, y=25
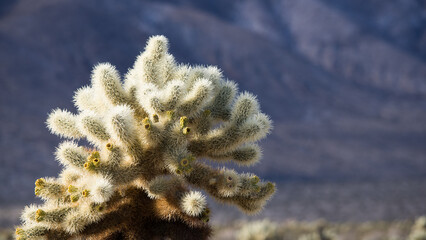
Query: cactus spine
x=147, y=137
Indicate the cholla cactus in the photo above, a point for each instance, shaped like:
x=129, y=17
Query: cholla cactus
x=147, y=138
x=419, y=229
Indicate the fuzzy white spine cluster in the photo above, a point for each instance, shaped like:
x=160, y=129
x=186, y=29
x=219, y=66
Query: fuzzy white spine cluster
x=149, y=131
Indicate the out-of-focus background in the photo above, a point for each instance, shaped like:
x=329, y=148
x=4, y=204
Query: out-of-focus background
x=343, y=80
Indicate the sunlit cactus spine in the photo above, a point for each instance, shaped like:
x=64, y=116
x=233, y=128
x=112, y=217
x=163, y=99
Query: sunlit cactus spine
x=147, y=136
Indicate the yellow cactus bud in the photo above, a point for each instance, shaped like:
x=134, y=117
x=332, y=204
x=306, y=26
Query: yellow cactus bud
x=254, y=180
x=155, y=118
x=184, y=162
x=39, y=216
x=205, y=215
x=85, y=193
x=207, y=211
x=96, y=162
x=95, y=154
x=146, y=123
x=170, y=114
x=178, y=171
x=183, y=121
x=99, y=207
x=89, y=165
x=37, y=191
x=109, y=146
x=256, y=188
x=74, y=197
x=207, y=112
x=19, y=231
x=72, y=189
x=40, y=182
x=205, y=218
x=186, y=130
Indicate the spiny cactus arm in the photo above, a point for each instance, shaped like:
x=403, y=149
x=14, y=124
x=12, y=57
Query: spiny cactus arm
x=70, y=154
x=153, y=65
x=168, y=68
x=106, y=91
x=84, y=99
x=172, y=94
x=31, y=231
x=192, y=74
x=75, y=157
x=70, y=175
x=182, y=103
x=151, y=132
x=91, y=125
x=48, y=214
x=221, y=105
x=246, y=125
x=163, y=184
x=253, y=203
x=76, y=221
x=106, y=82
x=196, y=98
x=218, y=109
x=108, y=163
x=158, y=101
x=54, y=221
x=245, y=106
x=49, y=188
x=244, y=190
x=230, y=137
x=178, y=161
x=94, y=187
x=245, y=155
x=122, y=127
x=63, y=124
x=149, y=97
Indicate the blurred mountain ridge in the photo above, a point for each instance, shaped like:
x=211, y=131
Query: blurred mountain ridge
x=344, y=81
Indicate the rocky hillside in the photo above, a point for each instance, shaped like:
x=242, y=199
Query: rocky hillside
x=344, y=81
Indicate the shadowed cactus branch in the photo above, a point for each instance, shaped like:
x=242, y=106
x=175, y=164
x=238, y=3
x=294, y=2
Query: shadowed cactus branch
x=148, y=134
